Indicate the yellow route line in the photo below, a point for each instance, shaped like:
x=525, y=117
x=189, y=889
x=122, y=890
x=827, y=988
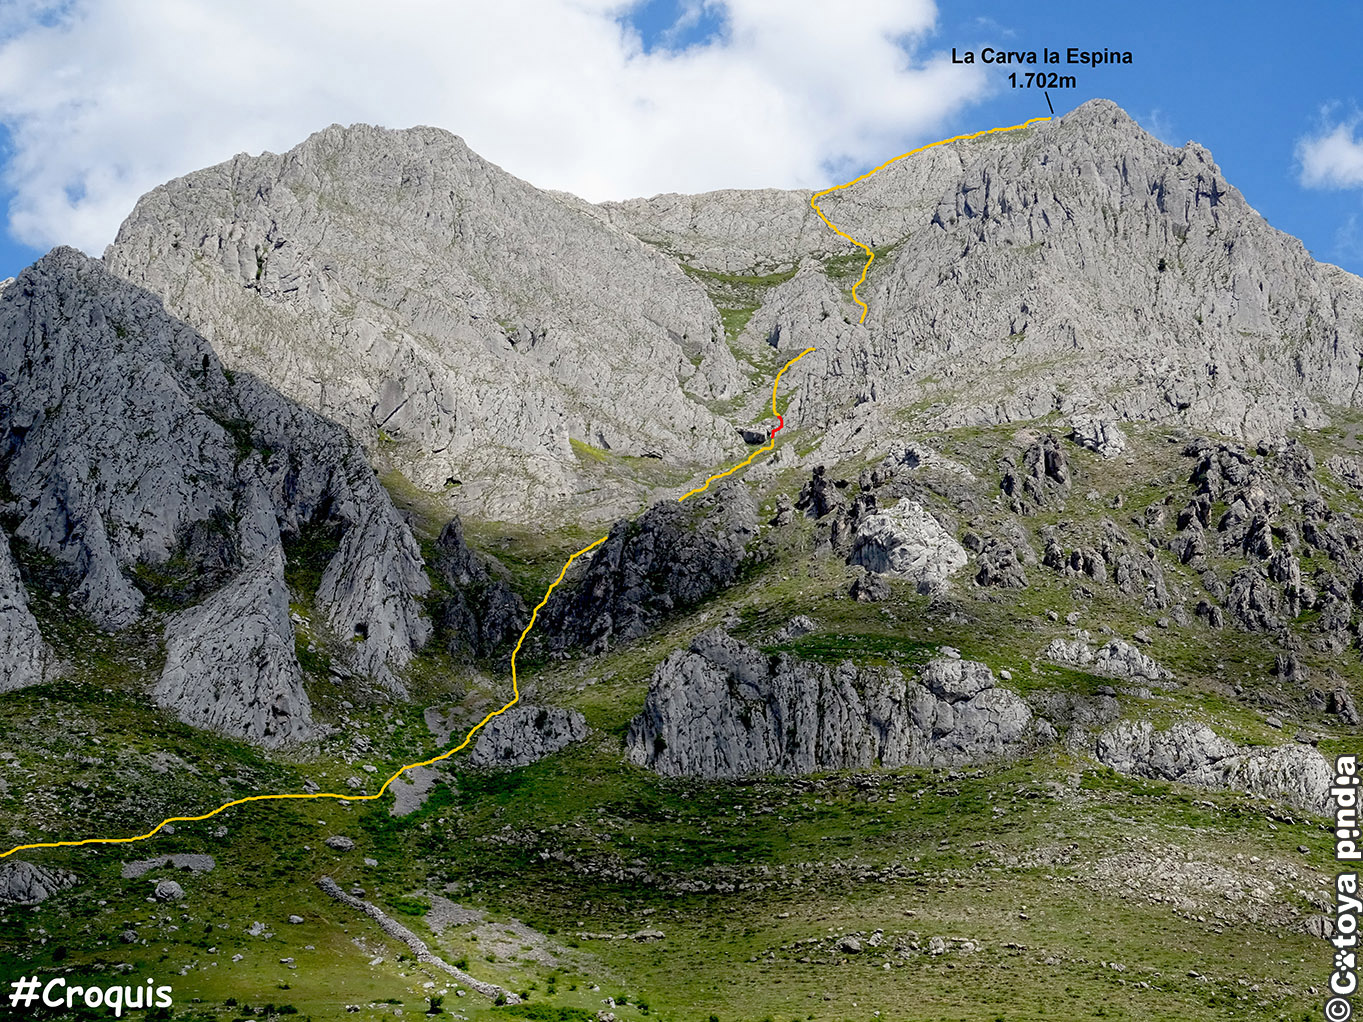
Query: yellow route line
x=870, y=255
x=515, y=696
x=515, y=687
x=771, y=441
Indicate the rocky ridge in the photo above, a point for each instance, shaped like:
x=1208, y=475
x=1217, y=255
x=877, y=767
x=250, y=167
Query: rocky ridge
x=670, y=558
x=992, y=253
x=469, y=323
x=133, y=460
x=723, y=709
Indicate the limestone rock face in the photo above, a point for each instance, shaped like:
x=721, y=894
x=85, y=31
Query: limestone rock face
x=230, y=662
x=24, y=657
x=1194, y=754
x=672, y=557
x=1099, y=435
x=23, y=883
x=723, y=709
x=907, y=542
x=524, y=734
x=401, y=285
x=390, y=278
x=1083, y=239
x=127, y=444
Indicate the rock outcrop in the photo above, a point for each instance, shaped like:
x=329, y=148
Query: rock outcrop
x=1115, y=659
x=1195, y=754
x=1102, y=436
x=1040, y=478
x=230, y=661
x=479, y=614
x=25, y=658
x=130, y=451
x=723, y=709
x=525, y=734
x=907, y=542
x=670, y=558
x=24, y=883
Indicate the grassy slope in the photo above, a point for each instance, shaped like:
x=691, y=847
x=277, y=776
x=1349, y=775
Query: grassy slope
x=1027, y=859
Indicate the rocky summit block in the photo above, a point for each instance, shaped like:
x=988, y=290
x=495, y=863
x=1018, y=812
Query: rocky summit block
x=723, y=709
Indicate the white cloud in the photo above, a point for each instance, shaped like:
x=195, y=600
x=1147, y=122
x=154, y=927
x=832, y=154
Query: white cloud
x=1333, y=158
x=1158, y=124
x=106, y=98
x=1349, y=239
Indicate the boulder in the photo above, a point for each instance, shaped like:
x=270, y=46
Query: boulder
x=24, y=883
x=868, y=587
x=168, y=890
x=1100, y=435
x=1040, y=479
x=907, y=542
x=821, y=496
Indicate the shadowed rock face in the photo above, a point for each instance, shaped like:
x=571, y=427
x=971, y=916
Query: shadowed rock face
x=481, y=615
x=396, y=282
x=125, y=444
x=670, y=558
x=525, y=734
x=723, y=709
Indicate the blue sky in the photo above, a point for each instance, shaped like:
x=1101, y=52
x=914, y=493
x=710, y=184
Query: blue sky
x=1249, y=80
